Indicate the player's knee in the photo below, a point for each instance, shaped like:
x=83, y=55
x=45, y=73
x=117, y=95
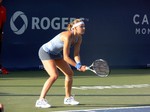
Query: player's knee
x=54, y=78
x=71, y=73
x=69, y=76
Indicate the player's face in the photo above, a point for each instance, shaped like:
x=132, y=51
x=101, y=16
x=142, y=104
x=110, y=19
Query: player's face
x=81, y=29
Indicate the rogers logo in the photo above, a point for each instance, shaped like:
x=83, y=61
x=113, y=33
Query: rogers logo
x=38, y=23
x=24, y=26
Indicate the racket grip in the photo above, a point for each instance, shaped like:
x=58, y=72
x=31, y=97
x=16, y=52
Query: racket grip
x=87, y=68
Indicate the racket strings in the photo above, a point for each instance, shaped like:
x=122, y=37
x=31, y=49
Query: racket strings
x=101, y=67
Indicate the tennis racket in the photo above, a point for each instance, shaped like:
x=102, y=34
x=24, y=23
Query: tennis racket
x=99, y=67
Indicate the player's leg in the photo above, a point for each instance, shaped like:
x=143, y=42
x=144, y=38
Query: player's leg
x=51, y=69
x=67, y=71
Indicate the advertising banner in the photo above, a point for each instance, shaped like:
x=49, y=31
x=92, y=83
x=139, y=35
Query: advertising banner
x=117, y=31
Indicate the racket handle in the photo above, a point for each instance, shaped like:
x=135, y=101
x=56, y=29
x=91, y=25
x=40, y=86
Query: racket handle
x=87, y=68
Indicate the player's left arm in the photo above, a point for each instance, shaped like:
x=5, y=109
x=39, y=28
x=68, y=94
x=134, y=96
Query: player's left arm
x=77, y=55
x=77, y=50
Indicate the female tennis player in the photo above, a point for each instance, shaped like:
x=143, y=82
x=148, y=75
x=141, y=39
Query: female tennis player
x=51, y=58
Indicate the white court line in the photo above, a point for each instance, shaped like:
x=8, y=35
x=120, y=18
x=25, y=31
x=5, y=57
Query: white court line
x=101, y=109
x=112, y=87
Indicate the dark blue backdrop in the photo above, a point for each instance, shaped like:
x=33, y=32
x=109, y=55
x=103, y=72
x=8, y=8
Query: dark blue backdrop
x=117, y=30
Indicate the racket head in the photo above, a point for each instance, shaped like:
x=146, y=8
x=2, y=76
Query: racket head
x=101, y=68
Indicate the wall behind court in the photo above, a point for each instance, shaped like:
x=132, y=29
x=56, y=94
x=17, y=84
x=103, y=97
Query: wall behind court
x=117, y=31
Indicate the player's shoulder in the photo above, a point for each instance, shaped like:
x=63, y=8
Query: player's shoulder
x=66, y=35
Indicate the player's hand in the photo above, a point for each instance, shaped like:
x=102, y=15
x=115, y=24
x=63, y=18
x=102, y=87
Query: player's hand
x=83, y=68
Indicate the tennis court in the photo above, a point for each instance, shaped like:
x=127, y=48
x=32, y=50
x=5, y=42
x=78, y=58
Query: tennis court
x=124, y=90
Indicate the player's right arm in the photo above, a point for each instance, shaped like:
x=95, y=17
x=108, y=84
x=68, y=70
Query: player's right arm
x=67, y=39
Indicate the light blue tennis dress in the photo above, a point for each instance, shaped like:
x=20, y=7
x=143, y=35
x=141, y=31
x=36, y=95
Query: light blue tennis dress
x=52, y=49
x=54, y=46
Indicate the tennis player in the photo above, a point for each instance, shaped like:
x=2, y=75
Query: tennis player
x=51, y=58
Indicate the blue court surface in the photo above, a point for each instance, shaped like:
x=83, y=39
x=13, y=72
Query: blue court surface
x=119, y=109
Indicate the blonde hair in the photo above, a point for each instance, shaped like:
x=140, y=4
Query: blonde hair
x=72, y=23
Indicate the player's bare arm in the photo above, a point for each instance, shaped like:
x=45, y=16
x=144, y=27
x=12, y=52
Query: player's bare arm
x=67, y=39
